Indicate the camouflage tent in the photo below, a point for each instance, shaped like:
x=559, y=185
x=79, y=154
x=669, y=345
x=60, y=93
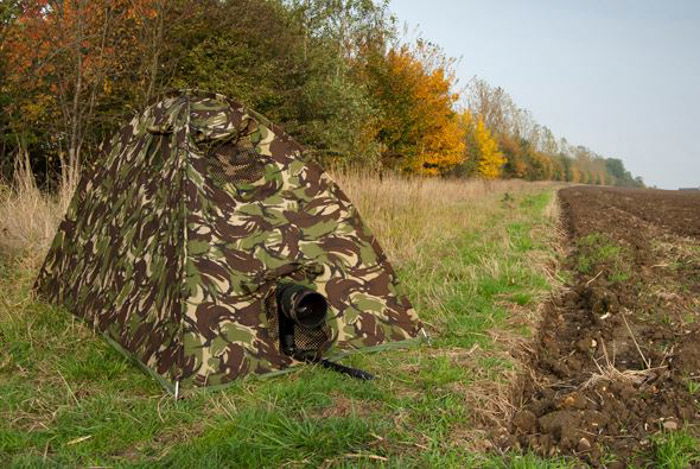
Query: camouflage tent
x=178, y=238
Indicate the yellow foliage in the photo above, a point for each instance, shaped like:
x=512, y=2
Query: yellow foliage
x=576, y=175
x=418, y=127
x=37, y=108
x=489, y=158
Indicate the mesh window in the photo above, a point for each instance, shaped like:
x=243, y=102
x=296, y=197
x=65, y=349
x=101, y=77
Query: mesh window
x=229, y=164
x=243, y=172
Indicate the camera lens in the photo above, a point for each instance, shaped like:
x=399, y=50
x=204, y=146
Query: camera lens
x=304, y=306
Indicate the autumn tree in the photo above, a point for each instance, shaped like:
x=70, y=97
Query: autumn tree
x=331, y=72
x=515, y=165
x=61, y=58
x=418, y=128
x=9, y=10
x=483, y=151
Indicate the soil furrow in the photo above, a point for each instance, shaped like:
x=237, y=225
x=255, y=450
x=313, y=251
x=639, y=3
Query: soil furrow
x=616, y=363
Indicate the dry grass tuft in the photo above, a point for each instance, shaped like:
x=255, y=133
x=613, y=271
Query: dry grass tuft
x=29, y=217
x=405, y=213
x=610, y=373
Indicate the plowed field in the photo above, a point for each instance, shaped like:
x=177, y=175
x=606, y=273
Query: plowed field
x=616, y=364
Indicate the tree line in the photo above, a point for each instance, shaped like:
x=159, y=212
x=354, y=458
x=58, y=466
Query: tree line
x=334, y=73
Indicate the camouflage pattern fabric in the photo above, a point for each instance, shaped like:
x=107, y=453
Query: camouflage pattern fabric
x=173, y=245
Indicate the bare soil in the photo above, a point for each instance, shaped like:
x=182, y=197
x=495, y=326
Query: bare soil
x=617, y=357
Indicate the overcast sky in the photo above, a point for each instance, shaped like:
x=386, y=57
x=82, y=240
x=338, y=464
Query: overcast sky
x=621, y=77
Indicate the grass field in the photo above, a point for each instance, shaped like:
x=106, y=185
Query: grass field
x=475, y=258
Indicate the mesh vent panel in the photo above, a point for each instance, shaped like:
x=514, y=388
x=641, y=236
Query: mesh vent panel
x=229, y=164
x=312, y=340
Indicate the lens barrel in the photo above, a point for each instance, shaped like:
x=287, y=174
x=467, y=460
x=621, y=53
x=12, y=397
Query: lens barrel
x=302, y=305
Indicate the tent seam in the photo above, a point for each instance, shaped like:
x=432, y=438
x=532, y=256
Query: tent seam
x=183, y=156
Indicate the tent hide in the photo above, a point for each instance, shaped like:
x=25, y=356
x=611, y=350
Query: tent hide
x=182, y=230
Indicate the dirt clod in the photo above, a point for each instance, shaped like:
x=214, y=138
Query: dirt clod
x=583, y=445
x=670, y=425
x=525, y=421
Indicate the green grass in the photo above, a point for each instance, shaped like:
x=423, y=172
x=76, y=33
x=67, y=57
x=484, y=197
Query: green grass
x=676, y=450
x=597, y=252
x=68, y=398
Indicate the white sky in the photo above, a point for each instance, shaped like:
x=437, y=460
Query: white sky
x=621, y=77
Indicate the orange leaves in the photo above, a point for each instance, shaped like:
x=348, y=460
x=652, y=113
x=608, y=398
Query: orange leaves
x=70, y=47
x=445, y=149
x=417, y=127
x=143, y=10
x=70, y=67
